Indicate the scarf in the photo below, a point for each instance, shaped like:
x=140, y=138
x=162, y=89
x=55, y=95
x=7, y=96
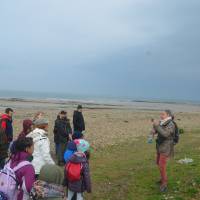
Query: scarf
x=162, y=122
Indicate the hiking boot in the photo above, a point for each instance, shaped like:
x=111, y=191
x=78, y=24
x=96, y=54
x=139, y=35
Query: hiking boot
x=163, y=188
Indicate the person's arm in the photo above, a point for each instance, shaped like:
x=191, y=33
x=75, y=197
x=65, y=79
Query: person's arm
x=69, y=128
x=86, y=177
x=75, y=121
x=3, y=125
x=83, y=124
x=29, y=179
x=55, y=130
x=45, y=151
x=65, y=180
x=165, y=132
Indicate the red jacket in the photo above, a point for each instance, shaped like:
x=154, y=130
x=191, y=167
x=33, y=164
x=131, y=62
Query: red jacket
x=6, y=125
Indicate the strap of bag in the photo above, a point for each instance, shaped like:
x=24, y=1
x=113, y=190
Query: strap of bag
x=20, y=165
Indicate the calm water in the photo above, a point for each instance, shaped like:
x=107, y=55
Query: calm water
x=88, y=98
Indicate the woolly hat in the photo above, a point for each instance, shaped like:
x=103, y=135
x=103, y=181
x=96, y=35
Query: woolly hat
x=41, y=121
x=82, y=145
x=27, y=123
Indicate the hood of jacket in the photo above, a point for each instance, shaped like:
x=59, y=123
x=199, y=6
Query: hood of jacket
x=51, y=174
x=19, y=157
x=78, y=158
x=37, y=134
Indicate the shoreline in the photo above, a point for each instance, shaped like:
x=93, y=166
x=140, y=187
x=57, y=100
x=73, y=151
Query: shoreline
x=137, y=105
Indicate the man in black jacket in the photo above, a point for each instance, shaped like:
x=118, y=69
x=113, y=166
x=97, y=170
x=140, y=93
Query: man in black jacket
x=78, y=120
x=62, y=132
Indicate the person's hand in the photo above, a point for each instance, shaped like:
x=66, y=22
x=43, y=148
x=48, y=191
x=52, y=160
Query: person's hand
x=153, y=132
x=70, y=137
x=156, y=123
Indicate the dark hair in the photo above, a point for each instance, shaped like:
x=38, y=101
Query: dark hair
x=22, y=143
x=169, y=112
x=63, y=112
x=79, y=107
x=8, y=110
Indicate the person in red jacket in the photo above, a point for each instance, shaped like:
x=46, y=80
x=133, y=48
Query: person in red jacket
x=6, y=135
x=6, y=123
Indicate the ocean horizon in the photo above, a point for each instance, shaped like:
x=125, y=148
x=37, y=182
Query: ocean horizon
x=32, y=95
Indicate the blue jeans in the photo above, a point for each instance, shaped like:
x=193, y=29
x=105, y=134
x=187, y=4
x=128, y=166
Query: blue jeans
x=71, y=194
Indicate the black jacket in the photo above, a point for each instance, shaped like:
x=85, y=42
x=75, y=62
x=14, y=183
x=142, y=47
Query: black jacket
x=62, y=129
x=78, y=121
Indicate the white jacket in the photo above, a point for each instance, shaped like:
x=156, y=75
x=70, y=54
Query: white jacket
x=41, y=154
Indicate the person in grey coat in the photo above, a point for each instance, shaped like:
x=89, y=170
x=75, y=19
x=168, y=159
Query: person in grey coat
x=165, y=130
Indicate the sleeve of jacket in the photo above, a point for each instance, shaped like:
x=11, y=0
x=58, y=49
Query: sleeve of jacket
x=65, y=180
x=29, y=179
x=165, y=132
x=55, y=129
x=3, y=125
x=83, y=125
x=74, y=120
x=45, y=151
x=87, y=178
x=69, y=128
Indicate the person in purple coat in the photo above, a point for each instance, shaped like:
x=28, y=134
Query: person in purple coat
x=24, y=148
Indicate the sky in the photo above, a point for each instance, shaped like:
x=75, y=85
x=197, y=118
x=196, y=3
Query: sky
x=121, y=48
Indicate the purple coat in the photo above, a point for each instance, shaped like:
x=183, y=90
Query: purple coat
x=25, y=175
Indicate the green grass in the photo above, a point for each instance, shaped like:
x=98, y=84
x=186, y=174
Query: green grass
x=128, y=171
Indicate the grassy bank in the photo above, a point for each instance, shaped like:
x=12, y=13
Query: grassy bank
x=128, y=171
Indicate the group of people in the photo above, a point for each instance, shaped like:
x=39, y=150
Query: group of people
x=63, y=131
x=27, y=161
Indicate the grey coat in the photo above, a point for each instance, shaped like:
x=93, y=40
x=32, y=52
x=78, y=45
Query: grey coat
x=84, y=184
x=165, y=140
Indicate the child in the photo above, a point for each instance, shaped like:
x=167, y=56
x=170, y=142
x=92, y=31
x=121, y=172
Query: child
x=77, y=173
x=49, y=186
x=24, y=173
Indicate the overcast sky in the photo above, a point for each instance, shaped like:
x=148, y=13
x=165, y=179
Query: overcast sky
x=134, y=48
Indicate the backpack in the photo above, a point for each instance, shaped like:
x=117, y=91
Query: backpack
x=177, y=133
x=74, y=171
x=46, y=190
x=8, y=182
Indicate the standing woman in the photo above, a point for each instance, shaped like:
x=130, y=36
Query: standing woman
x=41, y=155
x=165, y=130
